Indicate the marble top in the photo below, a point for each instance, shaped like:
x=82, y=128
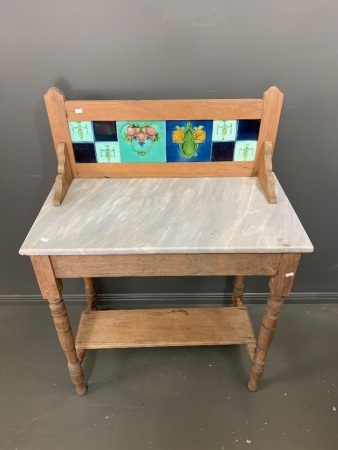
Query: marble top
x=166, y=215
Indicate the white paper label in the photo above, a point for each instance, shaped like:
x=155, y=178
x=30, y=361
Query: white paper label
x=78, y=111
x=290, y=274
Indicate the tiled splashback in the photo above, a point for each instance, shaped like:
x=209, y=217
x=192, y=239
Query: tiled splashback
x=164, y=141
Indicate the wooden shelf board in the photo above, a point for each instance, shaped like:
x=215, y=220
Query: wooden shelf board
x=164, y=328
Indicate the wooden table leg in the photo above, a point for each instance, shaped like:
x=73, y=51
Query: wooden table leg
x=90, y=294
x=280, y=287
x=66, y=338
x=237, y=301
x=237, y=295
x=51, y=290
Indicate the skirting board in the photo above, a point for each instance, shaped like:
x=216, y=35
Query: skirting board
x=153, y=300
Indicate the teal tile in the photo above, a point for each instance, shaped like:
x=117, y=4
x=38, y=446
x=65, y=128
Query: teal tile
x=141, y=141
x=245, y=150
x=107, y=152
x=81, y=131
x=224, y=130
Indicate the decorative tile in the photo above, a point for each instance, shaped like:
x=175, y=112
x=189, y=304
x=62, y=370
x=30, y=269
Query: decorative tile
x=84, y=153
x=222, y=151
x=142, y=141
x=224, y=130
x=81, y=131
x=160, y=141
x=189, y=141
x=245, y=150
x=105, y=131
x=107, y=152
x=248, y=130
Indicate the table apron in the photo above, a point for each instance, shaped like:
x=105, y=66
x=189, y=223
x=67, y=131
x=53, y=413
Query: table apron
x=171, y=264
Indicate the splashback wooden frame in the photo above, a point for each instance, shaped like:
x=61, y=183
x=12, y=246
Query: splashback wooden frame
x=267, y=110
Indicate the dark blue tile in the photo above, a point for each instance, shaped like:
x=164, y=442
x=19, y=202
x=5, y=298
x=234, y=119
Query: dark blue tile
x=189, y=140
x=248, y=130
x=222, y=151
x=105, y=131
x=84, y=153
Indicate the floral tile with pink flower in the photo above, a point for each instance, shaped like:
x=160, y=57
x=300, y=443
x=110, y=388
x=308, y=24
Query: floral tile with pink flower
x=141, y=141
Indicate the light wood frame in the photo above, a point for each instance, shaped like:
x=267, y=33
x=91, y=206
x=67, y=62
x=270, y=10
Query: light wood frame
x=267, y=110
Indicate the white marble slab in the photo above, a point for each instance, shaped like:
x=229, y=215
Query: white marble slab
x=175, y=215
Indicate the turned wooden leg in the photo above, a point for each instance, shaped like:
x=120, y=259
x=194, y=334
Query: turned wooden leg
x=237, y=301
x=265, y=338
x=81, y=354
x=51, y=290
x=280, y=286
x=251, y=350
x=90, y=294
x=237, y=295
x=66, y=338
x=91, y=306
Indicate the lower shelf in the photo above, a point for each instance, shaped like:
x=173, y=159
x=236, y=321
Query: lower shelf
x=164, y=328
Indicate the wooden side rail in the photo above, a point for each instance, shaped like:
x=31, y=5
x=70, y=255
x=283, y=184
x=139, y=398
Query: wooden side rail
x=265, y=173
x=64, y=177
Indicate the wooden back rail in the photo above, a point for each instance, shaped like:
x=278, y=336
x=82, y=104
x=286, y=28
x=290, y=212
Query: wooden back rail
x=61, y=111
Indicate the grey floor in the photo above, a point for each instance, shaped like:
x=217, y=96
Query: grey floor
x=170, y=398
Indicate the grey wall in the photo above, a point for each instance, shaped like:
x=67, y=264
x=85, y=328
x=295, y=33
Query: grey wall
x=178, y=49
